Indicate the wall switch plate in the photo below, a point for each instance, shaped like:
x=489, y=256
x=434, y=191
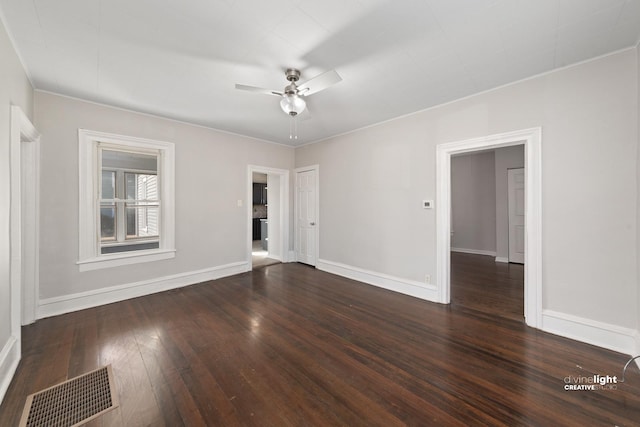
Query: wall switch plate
x=427, y=204
x=427, y=279
x=239, y=203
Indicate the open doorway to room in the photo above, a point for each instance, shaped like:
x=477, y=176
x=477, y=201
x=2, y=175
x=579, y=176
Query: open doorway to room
x=487, y=237
x=531, y=139
x=268, y=216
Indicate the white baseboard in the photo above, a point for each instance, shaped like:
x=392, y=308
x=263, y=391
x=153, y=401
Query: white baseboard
x=292, y=256
x=272, y=256
x=474, y=251
x=613, y=337
x=381, y=280
x=502, y=259
x=9, y=359
x=74, y=302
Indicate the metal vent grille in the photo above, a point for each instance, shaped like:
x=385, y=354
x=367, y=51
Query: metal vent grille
x=72, y=402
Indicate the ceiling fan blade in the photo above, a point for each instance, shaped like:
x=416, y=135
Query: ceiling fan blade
x=319, y=83
x=259, y=90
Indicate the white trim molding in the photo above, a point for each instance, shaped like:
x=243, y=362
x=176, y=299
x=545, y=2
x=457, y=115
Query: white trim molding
x=502, y=259
x=381, y=280
x=532, y=141
x=9, y=359
x=79, y=301
x=89, y=256
x=23, y=132
x=613, y=337
x=474, y=251
x=24, y=149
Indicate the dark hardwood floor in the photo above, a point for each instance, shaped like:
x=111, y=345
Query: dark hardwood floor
x=480, y=283
x=287, y=345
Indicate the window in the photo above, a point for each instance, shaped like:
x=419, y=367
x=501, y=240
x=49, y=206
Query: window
x=129, y=201
x=126, y=200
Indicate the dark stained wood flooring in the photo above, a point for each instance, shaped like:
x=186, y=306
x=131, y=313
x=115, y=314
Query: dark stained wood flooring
x=287, y=345
x=480, y=283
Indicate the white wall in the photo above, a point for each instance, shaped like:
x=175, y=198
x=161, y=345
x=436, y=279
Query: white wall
x=505, y=158
x=15, y=89
x=473, y=203
x=211, y=175
x=638, y=198
x=372, y=182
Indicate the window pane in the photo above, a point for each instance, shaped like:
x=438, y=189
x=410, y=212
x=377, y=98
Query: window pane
x=108, y=184
x=142, y=221
x=112, y=159
x=107, y=222
x=139, y=186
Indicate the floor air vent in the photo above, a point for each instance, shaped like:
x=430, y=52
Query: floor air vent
x=72, y=402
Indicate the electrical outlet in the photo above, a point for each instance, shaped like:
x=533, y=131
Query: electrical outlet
x=427, y=279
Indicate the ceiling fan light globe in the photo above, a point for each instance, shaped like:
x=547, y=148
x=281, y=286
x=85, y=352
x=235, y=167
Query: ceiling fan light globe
x=292, y=104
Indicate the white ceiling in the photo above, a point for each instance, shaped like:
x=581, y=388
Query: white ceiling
x=181, y=59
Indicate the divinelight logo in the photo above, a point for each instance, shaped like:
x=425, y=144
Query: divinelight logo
x=593, y=382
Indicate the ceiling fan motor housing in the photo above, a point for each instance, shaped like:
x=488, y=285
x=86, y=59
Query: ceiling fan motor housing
x=291, y=89
x=292, y=74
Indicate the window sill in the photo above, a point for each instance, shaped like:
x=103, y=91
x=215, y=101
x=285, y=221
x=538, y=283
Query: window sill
x=120, y=259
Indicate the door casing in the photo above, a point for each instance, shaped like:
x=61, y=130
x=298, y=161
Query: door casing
x=25, y=197
x=532, y=141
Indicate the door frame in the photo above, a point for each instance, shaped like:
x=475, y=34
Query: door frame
x=532, y=141
x=284, y=209
x=315, y=168
x=24, y=252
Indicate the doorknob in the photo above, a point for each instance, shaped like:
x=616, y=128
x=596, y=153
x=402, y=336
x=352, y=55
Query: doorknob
x=312, y=223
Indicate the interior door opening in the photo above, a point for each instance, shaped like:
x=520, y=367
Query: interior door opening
x=487, y=229
x=268, y=211
x=532, y=141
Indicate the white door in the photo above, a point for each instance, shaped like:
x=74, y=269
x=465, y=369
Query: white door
x=306, y=208
x=516, y=214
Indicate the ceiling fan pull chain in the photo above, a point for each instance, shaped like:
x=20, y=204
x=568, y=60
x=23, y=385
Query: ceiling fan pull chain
x=291, y=127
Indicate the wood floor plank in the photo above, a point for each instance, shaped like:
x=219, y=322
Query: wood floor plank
x=287, y=345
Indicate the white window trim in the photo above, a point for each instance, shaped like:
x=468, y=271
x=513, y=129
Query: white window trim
x=89, y=257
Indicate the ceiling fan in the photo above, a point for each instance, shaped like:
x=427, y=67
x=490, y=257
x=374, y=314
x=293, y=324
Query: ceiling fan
x=292, y=101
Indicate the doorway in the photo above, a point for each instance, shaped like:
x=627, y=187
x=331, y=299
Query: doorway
x=268, y=216
x=531, y=139
x=484, y=277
